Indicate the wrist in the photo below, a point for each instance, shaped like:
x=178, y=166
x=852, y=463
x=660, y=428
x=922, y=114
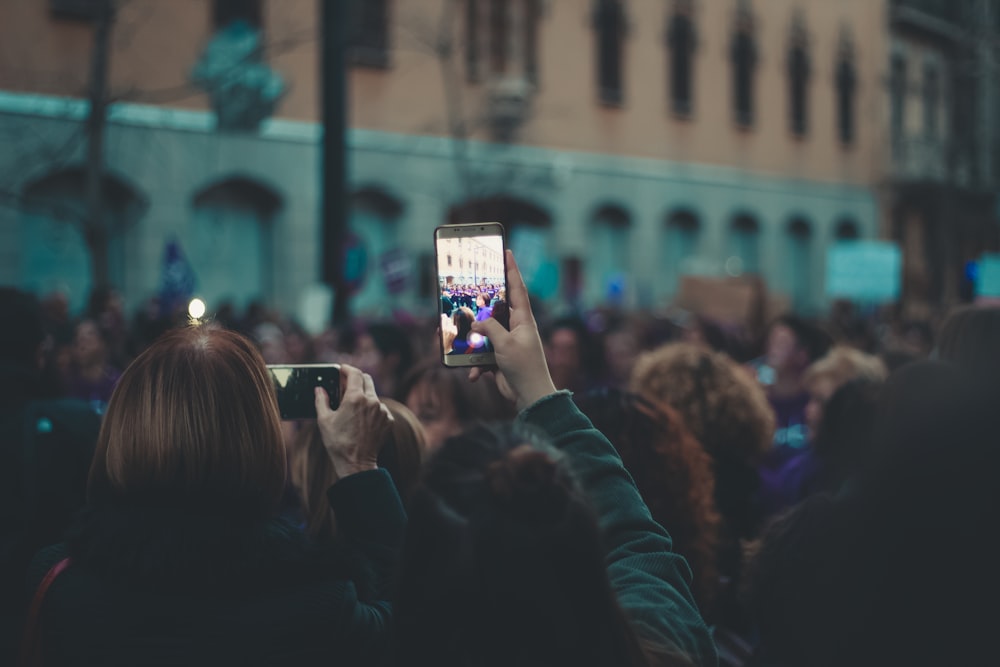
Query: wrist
x=535, y=394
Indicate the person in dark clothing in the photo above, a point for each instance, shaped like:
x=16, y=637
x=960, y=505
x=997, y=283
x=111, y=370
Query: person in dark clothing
x=45, y=450
x=899, y=568
x=530, y=545
x=181, y=557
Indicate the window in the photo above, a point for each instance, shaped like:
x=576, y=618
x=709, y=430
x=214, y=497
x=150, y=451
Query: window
x=800, y=260
x=78, y=10
x=798, y=79
x=744, y=246
x=681, y=244
x=681, y=43
x=225, y=12
x=897, y=91
x=449, y=260
x=532, y=14
x=609, y=22
x=498, y=36
x=472, y=40
x=374, y=229
x=744, y=60
x=609, y=255
x=846, y=82
x=932, y=101
x=847, y=230
x=369, y=33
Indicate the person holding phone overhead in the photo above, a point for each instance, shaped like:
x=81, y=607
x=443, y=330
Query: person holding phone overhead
x=530, y=544
x=181, y=558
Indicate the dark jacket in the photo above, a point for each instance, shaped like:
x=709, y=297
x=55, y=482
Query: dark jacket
x=45, y=451
x=156, y=586
x=653, y=584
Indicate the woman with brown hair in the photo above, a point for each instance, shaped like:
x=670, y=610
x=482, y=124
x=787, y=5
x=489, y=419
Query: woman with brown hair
x=181, y=557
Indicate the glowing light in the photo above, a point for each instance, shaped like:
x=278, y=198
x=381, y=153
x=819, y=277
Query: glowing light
x=476, y=340
x=196, y=308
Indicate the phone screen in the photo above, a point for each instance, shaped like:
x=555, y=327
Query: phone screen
x=472, y=286
x=295, y=386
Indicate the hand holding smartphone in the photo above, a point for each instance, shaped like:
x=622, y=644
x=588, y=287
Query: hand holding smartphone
x=295, y=385
x=472, y=284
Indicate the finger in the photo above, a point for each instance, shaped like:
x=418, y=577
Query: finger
x=354, y=382
x=322, y=403
x=387, y=412
x=369, y=386
x=477, y=372
x=491, y=329
x=517, y=291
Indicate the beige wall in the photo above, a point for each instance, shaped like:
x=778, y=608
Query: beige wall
x=156, y=43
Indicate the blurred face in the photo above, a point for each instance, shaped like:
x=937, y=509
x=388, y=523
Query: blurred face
x=436, y=414
x=783, y=351
x=88, y=347
x=563, y=352
x=820, y=391
x=620, y=350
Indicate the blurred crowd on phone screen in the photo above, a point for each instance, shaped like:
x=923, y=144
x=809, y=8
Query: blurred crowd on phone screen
x=817, y=475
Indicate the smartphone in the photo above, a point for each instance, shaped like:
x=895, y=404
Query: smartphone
x=472, y=285
x=295, y=385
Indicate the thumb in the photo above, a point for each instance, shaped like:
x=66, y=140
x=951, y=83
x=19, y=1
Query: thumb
x=490, y=328
x=322, y=403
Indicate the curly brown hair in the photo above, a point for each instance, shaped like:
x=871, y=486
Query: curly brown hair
x=673, y=474
x=725, y=408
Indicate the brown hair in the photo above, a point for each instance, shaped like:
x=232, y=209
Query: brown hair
x=723, y=406
x=193, y=420
x=843, y=364
x=312, y=471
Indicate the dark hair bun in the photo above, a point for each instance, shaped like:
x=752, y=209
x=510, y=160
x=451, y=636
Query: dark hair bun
x=530, y=484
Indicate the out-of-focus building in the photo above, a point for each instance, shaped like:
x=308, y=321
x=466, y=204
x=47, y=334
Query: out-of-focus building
x=942, y=176
x=624, y=143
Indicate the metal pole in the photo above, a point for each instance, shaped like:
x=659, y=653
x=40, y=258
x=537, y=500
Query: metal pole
x=333, y=83
x=95, y=225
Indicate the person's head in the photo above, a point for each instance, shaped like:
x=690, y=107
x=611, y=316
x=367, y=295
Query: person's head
x=90, y=346
x=793, y=344
x=503, y=562
x=842, y=438
x=23, y=333
x=672, y=472
x=193, y=423
x=726, y=410
x=566, y=345
x=312, y=471
x=839, y=366
x=395, y=354
x=446, y=403
x=463, y=319
x=271, y=341
x=298, y=344
x=970, y=339
x=481, y=300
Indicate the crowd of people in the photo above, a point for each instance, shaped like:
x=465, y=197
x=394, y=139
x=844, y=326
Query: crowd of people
x=618, y=490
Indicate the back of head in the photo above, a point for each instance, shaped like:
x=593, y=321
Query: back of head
x=672, y=472
x=810, y=337
x=193, y=424
x=843, y=364
x=503, y=563
x=22, y=332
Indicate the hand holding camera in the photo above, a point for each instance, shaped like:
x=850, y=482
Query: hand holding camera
x=353, y=433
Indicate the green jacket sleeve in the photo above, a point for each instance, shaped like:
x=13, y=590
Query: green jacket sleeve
x=651, y=581
x=370, y=517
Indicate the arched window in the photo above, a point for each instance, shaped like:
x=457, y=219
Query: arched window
x=54, y=254
x=609, y=22
x=681, y=42
x=743, y=53
x=897, y=92
x=799, y=263
x=932, y=100
x=369, y=33
x=680, y=247
x=229, y=240
x=798, y=78
x=499, y=30
x=744, y=254
x=847, y=230
x=375, y=261
x=511, y=38
x=846, y=83
x=609, y=255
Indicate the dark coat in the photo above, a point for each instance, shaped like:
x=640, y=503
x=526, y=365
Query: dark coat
x=45, y=451
x=165, y=586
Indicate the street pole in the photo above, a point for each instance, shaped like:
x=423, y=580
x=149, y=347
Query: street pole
x=96, y=230
x=333, y=83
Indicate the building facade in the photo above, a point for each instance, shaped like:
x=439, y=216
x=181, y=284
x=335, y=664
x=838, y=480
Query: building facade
x=624, y=143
